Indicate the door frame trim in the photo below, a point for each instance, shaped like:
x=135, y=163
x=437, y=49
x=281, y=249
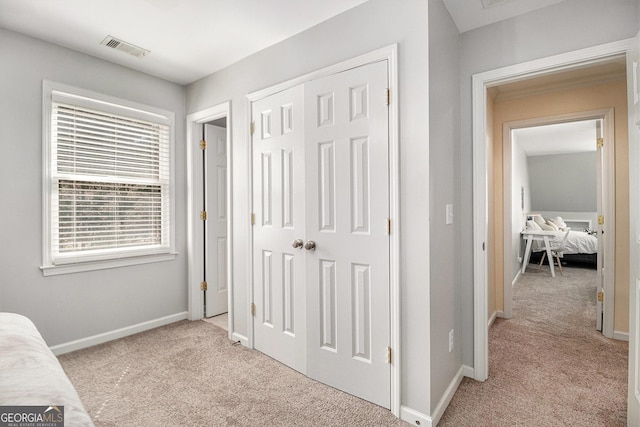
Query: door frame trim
x=480, y=83
x=195, y=258
x=389, y=54
x=608, y=202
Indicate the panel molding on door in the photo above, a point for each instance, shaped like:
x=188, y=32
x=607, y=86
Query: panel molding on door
x=321, y=252
x=216, y=297
x=347, y=206
x=278, y=203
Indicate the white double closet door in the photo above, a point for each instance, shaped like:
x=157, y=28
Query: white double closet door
x=321, y=179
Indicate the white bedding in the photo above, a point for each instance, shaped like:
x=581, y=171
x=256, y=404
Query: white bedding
x=578, y=242
x=30, y=375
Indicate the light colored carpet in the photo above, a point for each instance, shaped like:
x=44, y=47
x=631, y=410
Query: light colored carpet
x=190, y=374
x=548, y=366
x=221, y=321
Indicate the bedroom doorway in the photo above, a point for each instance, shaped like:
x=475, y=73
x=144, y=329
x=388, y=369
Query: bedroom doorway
x=563, y=167
x=487, y=238
x=209, y=207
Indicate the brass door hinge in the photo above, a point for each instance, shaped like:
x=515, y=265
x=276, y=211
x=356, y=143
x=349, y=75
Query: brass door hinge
x=252, y=127
x=203, y=144
x=389, y=355
x=389, y=226
x=253, y=309
x=203, y=286
x=388, y=96
x=600, y=143
x=600, y=296
x=203, y=215
x=253, y=219
x=600, y=219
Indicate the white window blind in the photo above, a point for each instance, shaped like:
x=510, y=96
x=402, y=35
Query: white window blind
x=110, y=183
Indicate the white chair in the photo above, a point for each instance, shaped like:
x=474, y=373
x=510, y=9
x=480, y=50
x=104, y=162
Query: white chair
x=556, y=251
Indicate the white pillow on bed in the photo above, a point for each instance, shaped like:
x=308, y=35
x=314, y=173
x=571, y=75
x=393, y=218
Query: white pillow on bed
x=532, y=225
x=540, y=221
x=559, y=222
x=546, y=227
x=553, y=225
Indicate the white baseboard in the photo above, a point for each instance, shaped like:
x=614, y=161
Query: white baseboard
x=513, y=283
x=237, y=337
x=447, y=396
x=118, y=333
x=468, y=371
x=414, y=418
x=622, y=336
x=492, y=319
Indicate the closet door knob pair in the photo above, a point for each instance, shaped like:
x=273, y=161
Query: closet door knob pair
x=299, y=243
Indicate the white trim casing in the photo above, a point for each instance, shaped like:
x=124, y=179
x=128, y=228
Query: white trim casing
x=467, y=371
x=480, y=83
x=480, y=227
x=89, y=99
x=390, y=54
x=195, y=240
x=608, y=201
x=117, y=333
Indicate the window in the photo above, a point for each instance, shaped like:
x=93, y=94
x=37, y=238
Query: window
x=108, y=181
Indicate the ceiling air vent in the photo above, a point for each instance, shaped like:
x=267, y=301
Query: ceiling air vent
x=123, y=46
x=493, y=3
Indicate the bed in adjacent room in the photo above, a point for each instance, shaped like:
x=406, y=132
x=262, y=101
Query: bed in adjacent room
x=581, y=246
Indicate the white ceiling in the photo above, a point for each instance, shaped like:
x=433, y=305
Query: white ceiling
x=471, y=14
x=188, y=39
x=561, y=138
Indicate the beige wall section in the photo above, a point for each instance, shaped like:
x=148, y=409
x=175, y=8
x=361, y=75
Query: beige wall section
x=586, y=98
x=491, y=213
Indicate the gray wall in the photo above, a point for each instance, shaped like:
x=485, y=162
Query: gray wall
x=564, y=182
x=560, y=28
x=372, y=25
x=444, y=132
x=73, y=306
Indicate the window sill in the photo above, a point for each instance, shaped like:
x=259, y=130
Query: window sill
x=53, y=270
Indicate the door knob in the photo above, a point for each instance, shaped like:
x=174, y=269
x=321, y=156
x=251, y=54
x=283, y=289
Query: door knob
x=310, y=245
x=298, y=243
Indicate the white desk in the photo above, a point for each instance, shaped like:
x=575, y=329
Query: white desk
x=530, y=236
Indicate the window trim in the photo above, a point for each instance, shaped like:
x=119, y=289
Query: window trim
x=113, y=104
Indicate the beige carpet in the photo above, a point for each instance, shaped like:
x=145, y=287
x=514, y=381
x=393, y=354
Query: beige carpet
x=190, y=374
x=547, y=365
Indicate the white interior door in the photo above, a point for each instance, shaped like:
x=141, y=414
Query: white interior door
x=278, y=204
x=347, y=206
x=633, y=93
x=601, y=259
x=321, y=176
x=215, y=261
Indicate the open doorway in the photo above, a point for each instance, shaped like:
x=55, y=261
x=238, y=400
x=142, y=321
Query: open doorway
x=559, y=184
x=489, y=212
x=488, y=187
x=209, y=216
